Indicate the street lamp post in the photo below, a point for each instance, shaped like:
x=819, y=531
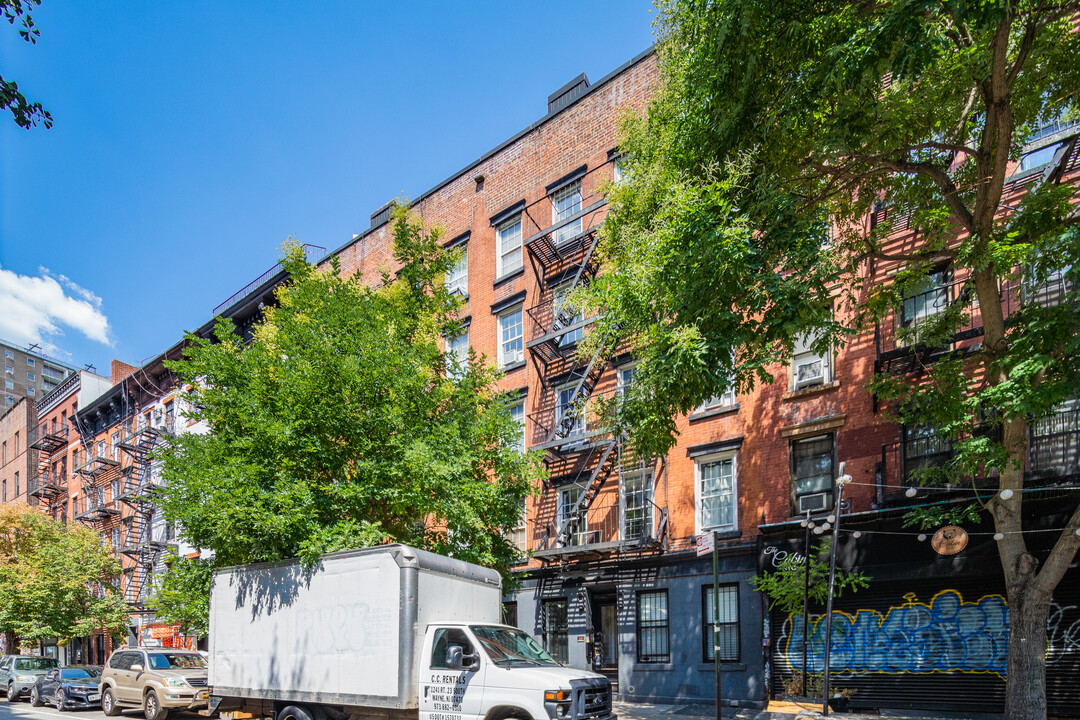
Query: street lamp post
x=840, y=483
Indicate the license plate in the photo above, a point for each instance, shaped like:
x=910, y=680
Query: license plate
x=93, y=697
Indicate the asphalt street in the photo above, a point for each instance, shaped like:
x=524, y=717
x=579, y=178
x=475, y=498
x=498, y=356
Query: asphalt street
x=23, y=710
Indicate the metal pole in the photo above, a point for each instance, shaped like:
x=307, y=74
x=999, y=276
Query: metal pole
x=806, y=602
x=840, y=482
x=716, y=617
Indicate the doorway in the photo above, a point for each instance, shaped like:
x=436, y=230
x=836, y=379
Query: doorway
x=605, y=636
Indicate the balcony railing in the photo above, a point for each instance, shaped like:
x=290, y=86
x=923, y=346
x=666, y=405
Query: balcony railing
x=46, y=484
x=1053, y=457
x=312, y=253
x=607, y=525
x=47, y=438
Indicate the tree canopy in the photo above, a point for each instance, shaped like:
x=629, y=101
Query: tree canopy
x=55, y=579
x=744, y=224
x=26, y=114
x=338, y=425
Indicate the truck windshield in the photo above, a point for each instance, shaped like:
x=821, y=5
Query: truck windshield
x=178, y=661
x=36, y=663
x=509, y=646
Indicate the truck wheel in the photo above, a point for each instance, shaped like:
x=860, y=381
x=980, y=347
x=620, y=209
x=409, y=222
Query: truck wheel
x=11, y=696
x=152, y=707
x=35, y=698
x=108, y=703
x=294, y=712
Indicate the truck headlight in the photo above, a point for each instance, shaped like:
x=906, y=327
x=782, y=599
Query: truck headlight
x=26, y=678
x=557, y=703
x=176, y=682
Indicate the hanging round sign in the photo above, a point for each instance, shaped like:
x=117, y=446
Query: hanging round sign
x=950, y=540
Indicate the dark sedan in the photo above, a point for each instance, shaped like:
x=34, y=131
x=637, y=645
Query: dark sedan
x=74, y=686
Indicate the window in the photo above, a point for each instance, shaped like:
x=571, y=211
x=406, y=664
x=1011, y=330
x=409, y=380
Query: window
x=1035, y=158
x=808, y=368
x=637, y=495
x=576, y=526
x=1054, y=440
x=444, y=638
x=16, y=484
x=5, y=452
x=9, y=355
x=926, y=299
x=728, y=637
x=509, y=614
x=923, y=450
x=5, y=491
x=9, y=400
x=716, y=492
x=555, y=626
x=50, y=372
x=812, y=473
x=100, y=449
x=508, y=242
x=30, y=361
x=724, y=399
x=566, y=202
x=617, y=172
x=9, y=369
x=653, y=632
x=566, y=315
x=511, y=337
x=457, y=354
x=569, y=415
x=31, y=390
x=30, y=377
x=626, y=378
x=115, y=446
x=517, y=412
x=457, y=277
x=9, y=385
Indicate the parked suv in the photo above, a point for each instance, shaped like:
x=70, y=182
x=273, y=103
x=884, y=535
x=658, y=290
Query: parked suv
x=18, y=673
x=155, y=679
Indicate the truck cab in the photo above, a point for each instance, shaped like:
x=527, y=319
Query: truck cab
x=479, y=671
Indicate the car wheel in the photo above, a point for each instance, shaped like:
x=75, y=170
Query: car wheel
x=108, y=703
x=35, y=697
x=152, y=707
x=11, y=696
x=58, y=700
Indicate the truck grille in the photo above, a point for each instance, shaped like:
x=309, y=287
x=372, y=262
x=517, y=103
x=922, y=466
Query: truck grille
x=592, y=698
x=196, y=682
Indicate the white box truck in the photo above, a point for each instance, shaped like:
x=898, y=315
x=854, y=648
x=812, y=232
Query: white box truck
x=386, y=632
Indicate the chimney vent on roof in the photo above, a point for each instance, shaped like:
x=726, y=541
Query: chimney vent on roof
x=383, y=214
x=568, y=93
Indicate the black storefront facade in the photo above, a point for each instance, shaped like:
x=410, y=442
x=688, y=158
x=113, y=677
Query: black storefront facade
x=931, y=631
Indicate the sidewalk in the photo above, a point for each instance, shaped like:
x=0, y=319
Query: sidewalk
x=777, y=710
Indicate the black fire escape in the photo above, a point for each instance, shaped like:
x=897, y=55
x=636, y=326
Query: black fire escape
x=49, y=483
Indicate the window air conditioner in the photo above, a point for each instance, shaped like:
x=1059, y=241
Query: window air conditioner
x=813, y=502
x=809, y=371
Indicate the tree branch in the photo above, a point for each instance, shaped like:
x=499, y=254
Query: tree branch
x=1061, y=556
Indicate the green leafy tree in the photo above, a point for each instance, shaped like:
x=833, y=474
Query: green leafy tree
x=338, y=425
x=182, y=594
x=55, y=579
x=779, y=121
x=27, y=114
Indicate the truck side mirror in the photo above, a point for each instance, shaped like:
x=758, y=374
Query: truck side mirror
x=136, y=668
x=456, y=659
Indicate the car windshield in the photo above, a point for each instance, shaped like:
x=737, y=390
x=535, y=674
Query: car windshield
x=35, y=664
x=176, y=661
x=510, y=646
x=76, y=673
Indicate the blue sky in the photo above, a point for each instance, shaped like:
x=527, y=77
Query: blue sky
x=191, y=139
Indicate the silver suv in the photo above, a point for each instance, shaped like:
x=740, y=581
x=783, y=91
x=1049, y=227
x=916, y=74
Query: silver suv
x=155, y=679
x=18, y=673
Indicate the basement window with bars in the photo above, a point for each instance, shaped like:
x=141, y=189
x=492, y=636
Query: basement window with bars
x=728, y=637
x=653, y=627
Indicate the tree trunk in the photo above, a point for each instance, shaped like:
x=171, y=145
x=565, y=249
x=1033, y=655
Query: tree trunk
x=1025, y=684
x=11, y=643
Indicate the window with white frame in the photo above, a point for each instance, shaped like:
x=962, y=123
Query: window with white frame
x=723, y=400
x=565, y=409
x=925, y=299
x=567, y=315
x=457, y=354
x=508, y=243
x=30, y=361
x=617, y=173
x=511, y=337
x=30, y=377
x=576, y=526
x=9, y=369
x=809, y=368
x=9, y=354
x=637, y=503
x=626, y=378
x=517, y=412
x=31, y=390
x=716, y=492
x=457, y=277
x=566, y=202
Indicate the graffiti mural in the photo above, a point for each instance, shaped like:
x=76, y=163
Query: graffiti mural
x=946, y=634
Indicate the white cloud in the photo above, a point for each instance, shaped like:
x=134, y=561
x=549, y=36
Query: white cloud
x=37, y=309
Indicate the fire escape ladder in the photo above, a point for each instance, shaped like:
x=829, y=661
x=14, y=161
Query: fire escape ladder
x=578, y=514
x=579, y=397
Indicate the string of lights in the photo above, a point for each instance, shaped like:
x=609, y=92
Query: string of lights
x=913, y=490
x=920, y=536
